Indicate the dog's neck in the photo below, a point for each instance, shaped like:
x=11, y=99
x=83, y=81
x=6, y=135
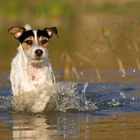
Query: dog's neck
x=33, y=70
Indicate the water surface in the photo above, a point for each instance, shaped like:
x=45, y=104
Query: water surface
x=111, y=111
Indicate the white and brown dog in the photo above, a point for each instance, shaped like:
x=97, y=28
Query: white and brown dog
x=30, y=69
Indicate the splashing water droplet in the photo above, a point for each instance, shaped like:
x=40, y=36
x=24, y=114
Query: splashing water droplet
x=104, y=86
x=134, y=70
x=133, y=98
x=122, y=94
x=85, y=87
x=81, y=73
x=114, y=102
x=84, y=92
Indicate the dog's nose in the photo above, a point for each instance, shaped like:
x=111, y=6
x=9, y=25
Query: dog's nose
x=38, y=52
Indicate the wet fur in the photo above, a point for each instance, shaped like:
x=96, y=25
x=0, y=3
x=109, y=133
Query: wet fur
x=29, y=75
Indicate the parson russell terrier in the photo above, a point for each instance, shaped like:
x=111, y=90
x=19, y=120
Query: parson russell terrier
x=30, y=68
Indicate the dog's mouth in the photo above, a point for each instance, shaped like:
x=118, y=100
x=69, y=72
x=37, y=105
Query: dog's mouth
x=38, y=59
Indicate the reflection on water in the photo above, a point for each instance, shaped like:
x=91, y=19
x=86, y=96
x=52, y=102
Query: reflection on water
x=44, y=127
x=59, y=126
x=116, y=127
x=5, y=126
x=30, y=127
x=80, y=126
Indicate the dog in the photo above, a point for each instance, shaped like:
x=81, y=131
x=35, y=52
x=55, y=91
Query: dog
x=31, y=68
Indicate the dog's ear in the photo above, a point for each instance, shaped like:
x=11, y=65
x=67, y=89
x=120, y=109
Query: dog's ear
x=51, y=31
x=16, y=31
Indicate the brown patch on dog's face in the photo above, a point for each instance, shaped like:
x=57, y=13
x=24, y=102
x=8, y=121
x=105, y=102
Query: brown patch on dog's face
x=28, y=43
x=43, y=41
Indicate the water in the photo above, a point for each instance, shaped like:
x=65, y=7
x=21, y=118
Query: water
x=84, y=111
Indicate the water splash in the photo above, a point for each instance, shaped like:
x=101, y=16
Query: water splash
x=114, y=102
x=68, y=96
x=84, y=92
x=62, y=96
x=123, y=94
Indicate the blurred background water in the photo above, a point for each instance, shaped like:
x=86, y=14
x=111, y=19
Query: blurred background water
x=99, y=41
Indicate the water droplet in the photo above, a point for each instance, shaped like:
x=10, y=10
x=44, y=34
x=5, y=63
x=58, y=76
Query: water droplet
x=133, y=98
x=85, y=87
x=134, y=70
x=122, y=94
x=81, y=73
x=114, y=102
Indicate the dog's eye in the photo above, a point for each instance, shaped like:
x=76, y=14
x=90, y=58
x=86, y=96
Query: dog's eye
x=44, y=41
x=29, y=42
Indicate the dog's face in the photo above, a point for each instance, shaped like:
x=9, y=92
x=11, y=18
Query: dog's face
x=34, y=42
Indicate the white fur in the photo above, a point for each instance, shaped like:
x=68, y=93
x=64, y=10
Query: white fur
x=35, y=33
x=29, y=76
x=27, y=27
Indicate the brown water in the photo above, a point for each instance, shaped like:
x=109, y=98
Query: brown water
x=68, y=126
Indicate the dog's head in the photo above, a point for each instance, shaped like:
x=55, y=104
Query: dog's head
x=34, y=42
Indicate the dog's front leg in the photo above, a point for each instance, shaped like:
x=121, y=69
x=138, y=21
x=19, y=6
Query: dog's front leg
x=39, y=104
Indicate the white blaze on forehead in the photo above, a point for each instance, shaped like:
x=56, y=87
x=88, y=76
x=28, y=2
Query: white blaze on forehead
x=35, y=36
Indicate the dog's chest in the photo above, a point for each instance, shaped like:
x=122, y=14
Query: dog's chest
x=36, y=73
